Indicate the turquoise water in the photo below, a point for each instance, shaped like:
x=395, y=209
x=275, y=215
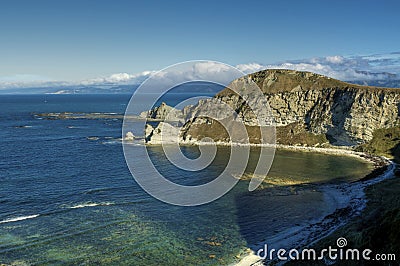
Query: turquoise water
x=67, y=199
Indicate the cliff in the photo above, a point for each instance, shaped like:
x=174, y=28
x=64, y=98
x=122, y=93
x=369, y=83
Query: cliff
x=308, y=109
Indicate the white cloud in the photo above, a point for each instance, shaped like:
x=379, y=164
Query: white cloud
x=337, y=59
x=348, y=68
x=249, y=68
x=117, y=79
x=191, y=71
x=30, y=81
x=25, y=80
x=371, y=67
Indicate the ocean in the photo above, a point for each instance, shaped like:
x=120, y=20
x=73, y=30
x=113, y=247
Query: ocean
x=67, y=196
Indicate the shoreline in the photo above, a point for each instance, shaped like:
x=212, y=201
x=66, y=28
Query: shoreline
x=377, y=161
x=349, y=199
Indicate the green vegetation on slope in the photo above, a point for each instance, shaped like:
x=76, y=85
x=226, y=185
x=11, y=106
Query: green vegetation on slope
x=385, y=142
x=297, y=134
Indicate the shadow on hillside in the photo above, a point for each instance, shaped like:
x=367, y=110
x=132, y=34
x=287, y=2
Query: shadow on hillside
x=339, y=112
x=395, y=151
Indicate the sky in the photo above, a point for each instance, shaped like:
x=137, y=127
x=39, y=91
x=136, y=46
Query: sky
x=70, y=41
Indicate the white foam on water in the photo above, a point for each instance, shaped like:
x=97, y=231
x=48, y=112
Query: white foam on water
x=21, y=218
x=84, y=205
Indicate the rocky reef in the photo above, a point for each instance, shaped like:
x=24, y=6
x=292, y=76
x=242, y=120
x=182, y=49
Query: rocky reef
x=307, y=108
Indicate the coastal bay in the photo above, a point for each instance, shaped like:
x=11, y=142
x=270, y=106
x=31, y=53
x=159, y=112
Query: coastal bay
x=79, y=210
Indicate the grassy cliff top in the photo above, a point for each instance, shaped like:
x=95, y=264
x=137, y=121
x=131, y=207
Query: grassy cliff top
x=282, y=80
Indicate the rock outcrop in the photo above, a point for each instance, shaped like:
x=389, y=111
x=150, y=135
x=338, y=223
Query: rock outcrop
x=164, y=112
x=163, y=133
x=304, y=106
x=129, y=136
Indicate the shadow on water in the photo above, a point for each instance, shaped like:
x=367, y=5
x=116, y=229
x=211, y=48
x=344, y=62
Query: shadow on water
x=264, y=213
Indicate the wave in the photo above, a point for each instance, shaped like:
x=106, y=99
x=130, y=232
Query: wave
x=21, y=218
x=84, y=205
x=71, y=127
x=138, y=142
x=24, y=126
x=112, y=142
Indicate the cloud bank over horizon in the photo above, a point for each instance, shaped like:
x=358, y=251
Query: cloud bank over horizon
x=346, y=68
x=349, y=68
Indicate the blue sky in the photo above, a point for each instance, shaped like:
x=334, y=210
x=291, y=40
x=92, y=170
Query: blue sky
x=77, y=40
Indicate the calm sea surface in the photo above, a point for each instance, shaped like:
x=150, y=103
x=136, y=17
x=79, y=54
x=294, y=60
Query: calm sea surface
x=67, y=196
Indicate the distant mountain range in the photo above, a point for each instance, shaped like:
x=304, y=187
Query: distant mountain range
x=121, y=89
x=389, y=82
x=192, y=87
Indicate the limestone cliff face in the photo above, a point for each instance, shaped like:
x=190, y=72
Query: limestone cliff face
x=346, y=114
x=164, y=132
